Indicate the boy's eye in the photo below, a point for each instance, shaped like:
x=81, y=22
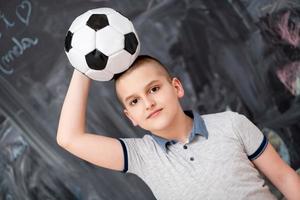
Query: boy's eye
x=133, y=101
x=155, y=88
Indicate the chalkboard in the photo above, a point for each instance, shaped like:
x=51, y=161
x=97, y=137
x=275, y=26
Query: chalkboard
x=223, y=51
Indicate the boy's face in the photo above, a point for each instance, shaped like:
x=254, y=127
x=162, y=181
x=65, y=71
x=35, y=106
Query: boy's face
x=146, y=98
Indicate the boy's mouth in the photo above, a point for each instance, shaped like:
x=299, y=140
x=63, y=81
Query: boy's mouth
x=154, y=113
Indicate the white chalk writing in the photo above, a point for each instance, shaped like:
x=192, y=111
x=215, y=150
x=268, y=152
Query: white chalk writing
x=17, y=50
x=6, y=21
x=19, y=46
x=23, y=11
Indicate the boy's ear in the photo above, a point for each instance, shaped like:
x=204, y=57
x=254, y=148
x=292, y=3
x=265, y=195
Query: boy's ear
x=128, y=115
x=178, y=86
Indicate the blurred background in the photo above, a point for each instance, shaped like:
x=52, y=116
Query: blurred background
x=240, y=55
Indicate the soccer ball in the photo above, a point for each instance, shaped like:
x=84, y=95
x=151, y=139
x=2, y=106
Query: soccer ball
x=101, y=43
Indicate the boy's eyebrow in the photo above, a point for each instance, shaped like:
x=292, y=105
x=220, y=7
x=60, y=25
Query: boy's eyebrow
x=151, y=82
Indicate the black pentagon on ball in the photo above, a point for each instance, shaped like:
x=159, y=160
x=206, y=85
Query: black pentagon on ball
x=96, y=60
x=97, y=21
x=131, y=43
x=68, y=41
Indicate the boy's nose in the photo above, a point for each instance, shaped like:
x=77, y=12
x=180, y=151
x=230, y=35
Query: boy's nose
x=149, y=102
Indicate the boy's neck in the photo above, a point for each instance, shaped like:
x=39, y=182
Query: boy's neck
x=180, y=128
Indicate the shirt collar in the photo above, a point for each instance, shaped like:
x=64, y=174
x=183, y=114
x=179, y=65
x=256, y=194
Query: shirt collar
x=199, y=128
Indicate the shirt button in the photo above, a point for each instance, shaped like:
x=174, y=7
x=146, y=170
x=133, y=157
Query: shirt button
x=184, y=146
x=191, y=158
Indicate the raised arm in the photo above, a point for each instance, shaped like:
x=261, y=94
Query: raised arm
x=71, y=133
x=73, y=112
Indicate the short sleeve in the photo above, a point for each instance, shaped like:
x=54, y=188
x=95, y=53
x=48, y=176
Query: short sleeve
x=253, y=140
x=133, y=159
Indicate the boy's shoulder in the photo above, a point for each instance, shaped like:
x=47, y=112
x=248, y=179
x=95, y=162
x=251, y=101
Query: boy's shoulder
x=224, y=116
x=224, y=121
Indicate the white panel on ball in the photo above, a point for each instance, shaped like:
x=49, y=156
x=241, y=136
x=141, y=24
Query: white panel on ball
x=77, y=60
x=119, y=62
x=120, y=23
x=84, y=40
x=109, y=41
x=99, y=75
x=106, y=11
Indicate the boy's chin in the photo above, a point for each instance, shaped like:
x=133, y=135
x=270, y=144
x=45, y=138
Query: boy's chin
x=157, y=126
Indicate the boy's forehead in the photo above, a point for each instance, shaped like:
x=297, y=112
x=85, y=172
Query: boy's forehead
x=138, y=80
x=138, y=83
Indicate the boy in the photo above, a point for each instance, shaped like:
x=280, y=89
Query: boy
x=186, y=155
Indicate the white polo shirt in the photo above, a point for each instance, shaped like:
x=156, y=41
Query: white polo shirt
x=214, y=164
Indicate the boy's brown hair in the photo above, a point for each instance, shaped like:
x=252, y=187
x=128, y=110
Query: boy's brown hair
x=139, y=61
